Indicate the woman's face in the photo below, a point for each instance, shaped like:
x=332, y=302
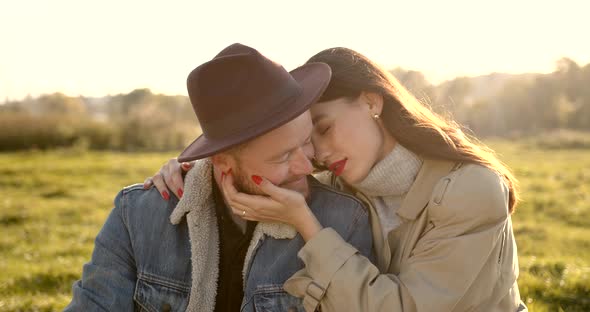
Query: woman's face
x=347, y=138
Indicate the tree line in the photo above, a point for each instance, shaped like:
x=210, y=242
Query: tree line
x=507, y=105
x=137, y=121
x=499, y=105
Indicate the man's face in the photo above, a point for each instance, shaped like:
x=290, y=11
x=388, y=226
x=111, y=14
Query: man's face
x=282, y=156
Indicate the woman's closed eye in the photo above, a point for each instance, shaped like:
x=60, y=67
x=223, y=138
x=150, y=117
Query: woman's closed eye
x=324, y=129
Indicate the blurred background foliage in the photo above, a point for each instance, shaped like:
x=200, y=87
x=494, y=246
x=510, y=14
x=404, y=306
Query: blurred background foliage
x=494, y=105
x=137, y=121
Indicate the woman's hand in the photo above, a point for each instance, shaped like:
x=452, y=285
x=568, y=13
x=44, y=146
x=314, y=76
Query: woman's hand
x=169, y=177
x=281, y=205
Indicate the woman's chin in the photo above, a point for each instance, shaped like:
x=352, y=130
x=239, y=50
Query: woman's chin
x=350, y=178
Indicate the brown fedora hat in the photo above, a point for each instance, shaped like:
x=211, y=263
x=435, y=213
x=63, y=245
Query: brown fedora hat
x=240, y=95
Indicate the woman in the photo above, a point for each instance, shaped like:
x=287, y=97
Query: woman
x=440, y=203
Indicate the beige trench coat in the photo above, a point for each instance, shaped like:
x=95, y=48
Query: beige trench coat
x=455, y=251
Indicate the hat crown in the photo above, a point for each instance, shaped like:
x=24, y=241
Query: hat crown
x=237, y=88
x=240, y=95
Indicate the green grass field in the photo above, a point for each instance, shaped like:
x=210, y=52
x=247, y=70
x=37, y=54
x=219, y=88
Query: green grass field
x=54, y=203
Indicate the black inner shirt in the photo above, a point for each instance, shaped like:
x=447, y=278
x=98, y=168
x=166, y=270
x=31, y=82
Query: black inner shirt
x=232, y=253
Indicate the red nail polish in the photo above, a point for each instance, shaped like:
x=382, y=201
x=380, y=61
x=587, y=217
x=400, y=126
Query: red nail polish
x=180, y=192
x=185, y=165
x=257, y=179
x=166, y=195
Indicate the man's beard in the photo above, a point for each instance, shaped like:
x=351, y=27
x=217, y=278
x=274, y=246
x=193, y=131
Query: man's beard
x=243, y=183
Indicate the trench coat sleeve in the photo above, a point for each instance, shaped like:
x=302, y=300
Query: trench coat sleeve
x=445, y=262
x=108, y=280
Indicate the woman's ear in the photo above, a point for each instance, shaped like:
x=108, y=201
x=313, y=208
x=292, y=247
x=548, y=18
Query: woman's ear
x=375, y=102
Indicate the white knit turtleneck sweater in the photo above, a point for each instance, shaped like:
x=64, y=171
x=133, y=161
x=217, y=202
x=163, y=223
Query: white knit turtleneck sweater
x=387, y=184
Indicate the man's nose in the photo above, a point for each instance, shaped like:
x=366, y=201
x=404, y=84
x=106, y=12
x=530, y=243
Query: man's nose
x=301, y=164
x=321, y=156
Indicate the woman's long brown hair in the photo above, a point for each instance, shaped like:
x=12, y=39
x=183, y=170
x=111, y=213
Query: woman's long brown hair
x=411, y=123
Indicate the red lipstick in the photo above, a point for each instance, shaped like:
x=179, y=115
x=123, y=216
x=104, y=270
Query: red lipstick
x=338, y=167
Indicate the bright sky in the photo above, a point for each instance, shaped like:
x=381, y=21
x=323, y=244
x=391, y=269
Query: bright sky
x=95, y=48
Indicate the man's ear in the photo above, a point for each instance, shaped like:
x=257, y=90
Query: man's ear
x=375, y=102
x=223, y=161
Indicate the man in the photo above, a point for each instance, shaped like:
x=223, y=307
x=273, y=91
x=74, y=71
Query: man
x=255, y=121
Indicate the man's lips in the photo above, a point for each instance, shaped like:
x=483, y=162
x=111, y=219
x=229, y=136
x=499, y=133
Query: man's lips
x=338, y=167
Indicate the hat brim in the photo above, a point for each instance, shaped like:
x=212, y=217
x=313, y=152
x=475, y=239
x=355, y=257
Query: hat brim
x=313, y=78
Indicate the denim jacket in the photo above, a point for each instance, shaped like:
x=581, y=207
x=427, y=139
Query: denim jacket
x=149, y=259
